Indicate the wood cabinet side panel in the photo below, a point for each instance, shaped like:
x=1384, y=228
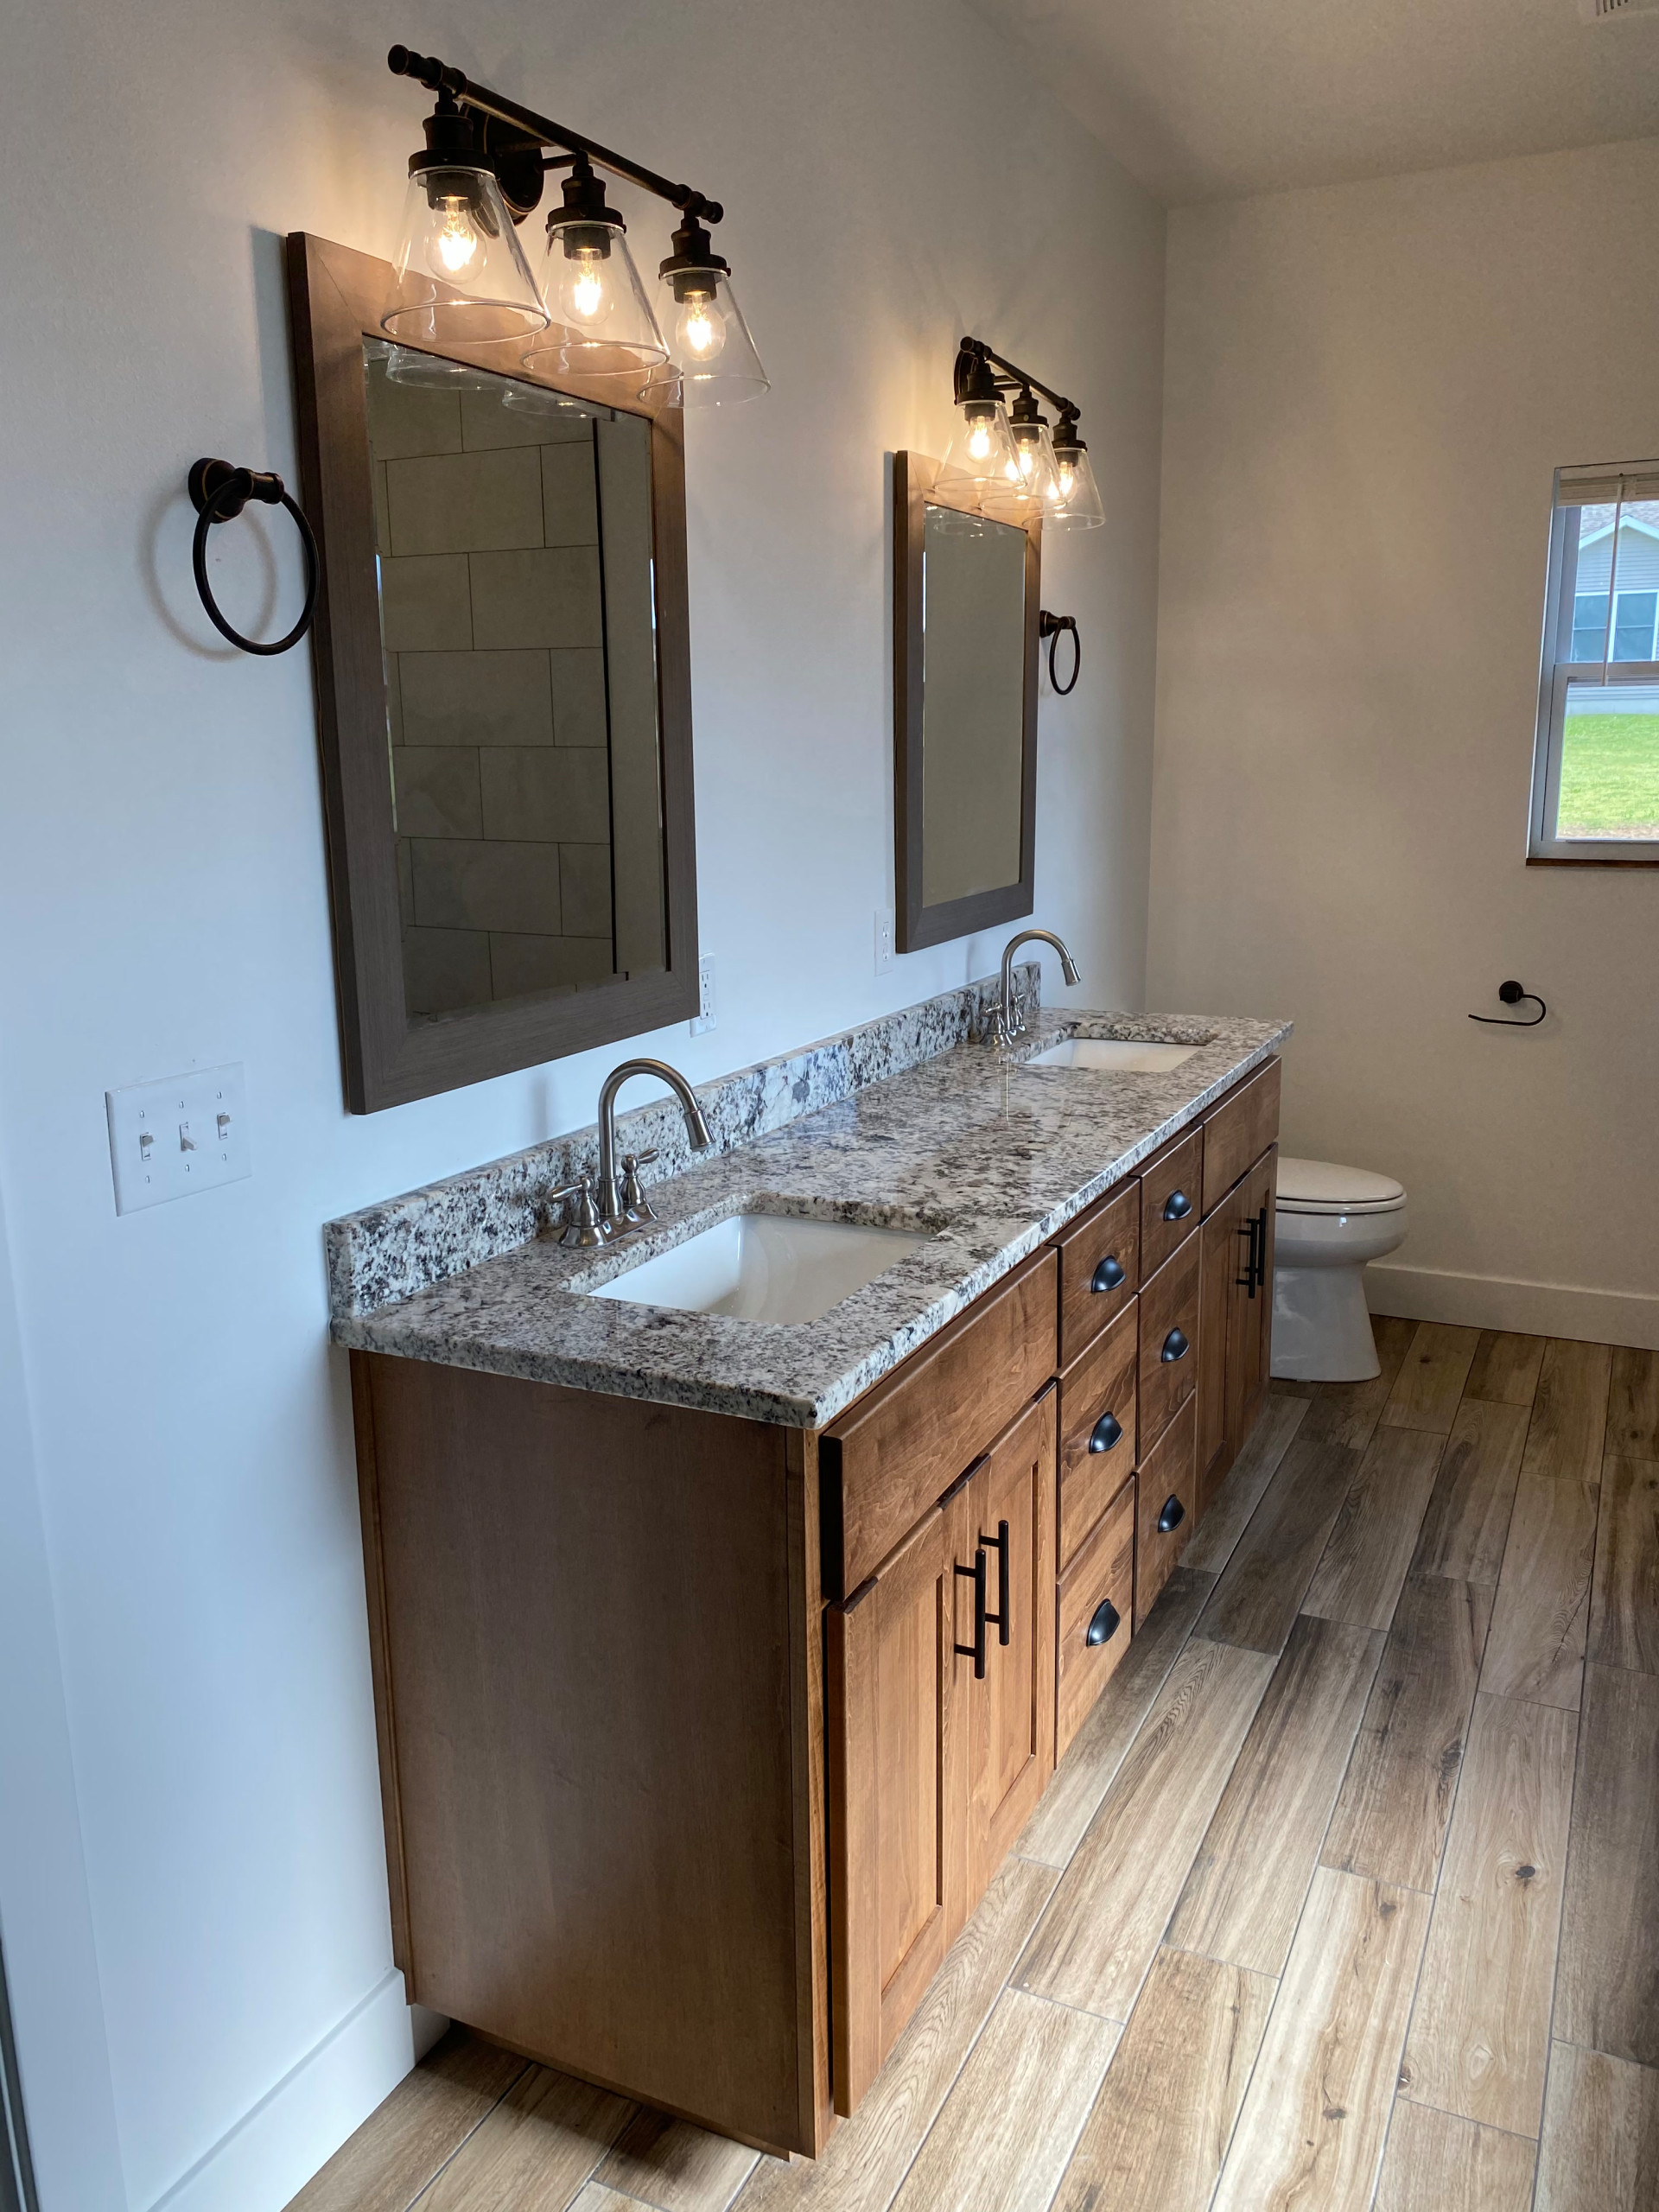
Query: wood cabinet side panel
x=592, y=1702
x=386, y=1733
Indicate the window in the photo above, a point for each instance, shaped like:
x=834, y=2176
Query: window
x=1595, y=784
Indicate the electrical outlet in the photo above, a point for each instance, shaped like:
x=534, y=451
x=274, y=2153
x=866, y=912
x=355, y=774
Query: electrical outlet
x=186, y=1133
x=883, y=939
x=704, y=1017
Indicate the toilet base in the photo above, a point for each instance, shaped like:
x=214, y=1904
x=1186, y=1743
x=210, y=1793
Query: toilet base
x=1321, y=1325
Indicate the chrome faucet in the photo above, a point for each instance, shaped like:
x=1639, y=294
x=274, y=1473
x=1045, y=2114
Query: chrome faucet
x=1007, y=1016
x=622, y=1204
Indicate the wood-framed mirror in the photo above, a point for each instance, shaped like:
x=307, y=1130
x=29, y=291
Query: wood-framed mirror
x=965, y=617
x=503, y=673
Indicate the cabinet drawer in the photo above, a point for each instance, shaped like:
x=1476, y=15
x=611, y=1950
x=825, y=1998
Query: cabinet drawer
x=1239, y=1131
x=891, y=1456
x=1170, y=1196
x=1102, y=1576
x=1100, y=1266
x=1167, y=1492
x=1169, y=1344
x=1097, y=1396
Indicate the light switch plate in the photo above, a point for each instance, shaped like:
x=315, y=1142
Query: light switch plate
x=186, y=1133
x=883, y=939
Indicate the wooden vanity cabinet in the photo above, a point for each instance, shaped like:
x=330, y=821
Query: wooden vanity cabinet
x=681, y=1723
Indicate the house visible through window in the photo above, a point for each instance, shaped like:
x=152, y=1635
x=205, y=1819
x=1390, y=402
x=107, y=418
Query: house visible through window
x=1595, y=793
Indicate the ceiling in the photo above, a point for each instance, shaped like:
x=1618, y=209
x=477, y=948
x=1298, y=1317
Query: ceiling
x=1211, y=99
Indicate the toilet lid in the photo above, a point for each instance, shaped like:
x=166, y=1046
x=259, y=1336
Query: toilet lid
x=1318, y=1186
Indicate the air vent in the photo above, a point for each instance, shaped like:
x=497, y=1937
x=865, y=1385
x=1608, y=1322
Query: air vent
x=1597, y=11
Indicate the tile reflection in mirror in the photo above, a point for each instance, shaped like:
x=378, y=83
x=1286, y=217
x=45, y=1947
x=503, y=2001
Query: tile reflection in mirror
x=973, y=712
x=513, y=530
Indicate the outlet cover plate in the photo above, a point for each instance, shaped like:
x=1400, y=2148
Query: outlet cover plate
x=704, y=1017
x=184, y=1134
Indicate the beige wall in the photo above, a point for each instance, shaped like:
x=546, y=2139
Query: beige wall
x=1367, y=389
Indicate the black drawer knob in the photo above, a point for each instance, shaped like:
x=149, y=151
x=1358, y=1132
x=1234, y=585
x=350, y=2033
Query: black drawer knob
x=1175, y=1346
x=1108, y=1274
x=1105, y=1433
x=1172, y=1515
x=1102, y=1625
x=1177, y=1206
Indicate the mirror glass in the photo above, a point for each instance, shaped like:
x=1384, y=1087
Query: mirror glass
x=973, y=710
x=517, y=622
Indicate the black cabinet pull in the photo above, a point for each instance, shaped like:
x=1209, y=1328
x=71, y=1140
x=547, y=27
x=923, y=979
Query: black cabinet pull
x=1172, y=1515
x=1259, y=1251
x=1252, y=1230
x=1175, y=1347
x=999, y=1544
x=1105, y=1433
x=975, y=1651
x=1108, y=1274
x=1177, y=1206
x=1103, y=1625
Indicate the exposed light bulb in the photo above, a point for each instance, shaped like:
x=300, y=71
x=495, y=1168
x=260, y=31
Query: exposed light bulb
x=1026, y=452
x=979, y=439
x=456, y=246
x=1066, y=481
x=700, y=329
x=585, y=291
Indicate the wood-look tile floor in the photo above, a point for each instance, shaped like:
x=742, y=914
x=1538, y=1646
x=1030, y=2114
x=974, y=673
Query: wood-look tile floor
x=1346, y=1898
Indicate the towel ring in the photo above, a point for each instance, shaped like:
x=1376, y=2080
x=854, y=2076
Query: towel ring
x=1513, y=994
x=219, y=493
x=1051, y=626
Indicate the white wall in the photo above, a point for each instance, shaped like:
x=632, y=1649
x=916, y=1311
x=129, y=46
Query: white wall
x=1367, y=391
x=893, y=176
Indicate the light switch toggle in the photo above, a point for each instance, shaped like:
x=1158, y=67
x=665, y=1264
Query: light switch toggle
x=224, y=1121
x=187, y=1142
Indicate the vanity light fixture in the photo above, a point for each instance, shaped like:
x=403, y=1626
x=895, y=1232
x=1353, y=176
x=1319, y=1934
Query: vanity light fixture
x=460, y=276
x=1009, y=457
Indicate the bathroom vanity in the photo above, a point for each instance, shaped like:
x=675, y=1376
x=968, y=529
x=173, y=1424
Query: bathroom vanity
x=719, y=1661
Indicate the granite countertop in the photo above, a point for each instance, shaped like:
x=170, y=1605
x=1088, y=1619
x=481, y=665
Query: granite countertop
x=984, y=1155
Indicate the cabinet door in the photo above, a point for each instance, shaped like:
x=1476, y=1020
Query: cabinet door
x=1011, y=1731
x=896, y=1716
x=1249, y=1321
x=1222, y=1255
x=1235, y=1337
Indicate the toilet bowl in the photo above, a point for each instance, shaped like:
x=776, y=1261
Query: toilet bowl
x=1328, y=1222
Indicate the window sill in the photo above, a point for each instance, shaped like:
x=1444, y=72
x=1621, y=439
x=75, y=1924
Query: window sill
x=1591, y=860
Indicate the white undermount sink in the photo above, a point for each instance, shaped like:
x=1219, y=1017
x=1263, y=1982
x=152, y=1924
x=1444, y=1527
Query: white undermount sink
x=764, y=1266
x=1122, y=1055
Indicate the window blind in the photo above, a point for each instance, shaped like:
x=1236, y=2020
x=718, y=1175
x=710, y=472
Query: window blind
x=1602, y=486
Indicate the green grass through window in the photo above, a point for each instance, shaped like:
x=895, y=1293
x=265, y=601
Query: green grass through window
x=1609, y=776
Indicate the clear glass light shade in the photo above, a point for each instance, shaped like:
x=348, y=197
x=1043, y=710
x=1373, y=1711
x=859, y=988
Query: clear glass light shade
x=982, y=459
x=710, y=352
x=1035, y=451
x=460, y=276
x=1074, y=503
x=601, y=324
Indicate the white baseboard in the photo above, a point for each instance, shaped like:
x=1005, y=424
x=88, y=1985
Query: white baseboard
x=273, y=2151
x=1532, y=1309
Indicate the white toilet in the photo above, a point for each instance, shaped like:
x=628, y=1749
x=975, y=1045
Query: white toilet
x=1328, y=1222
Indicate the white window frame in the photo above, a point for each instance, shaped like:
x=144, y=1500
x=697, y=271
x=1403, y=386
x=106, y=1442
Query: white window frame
x=1557, y=672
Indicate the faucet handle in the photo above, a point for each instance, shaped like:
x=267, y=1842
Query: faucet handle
x=583, y=1225
x=636, y=1206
